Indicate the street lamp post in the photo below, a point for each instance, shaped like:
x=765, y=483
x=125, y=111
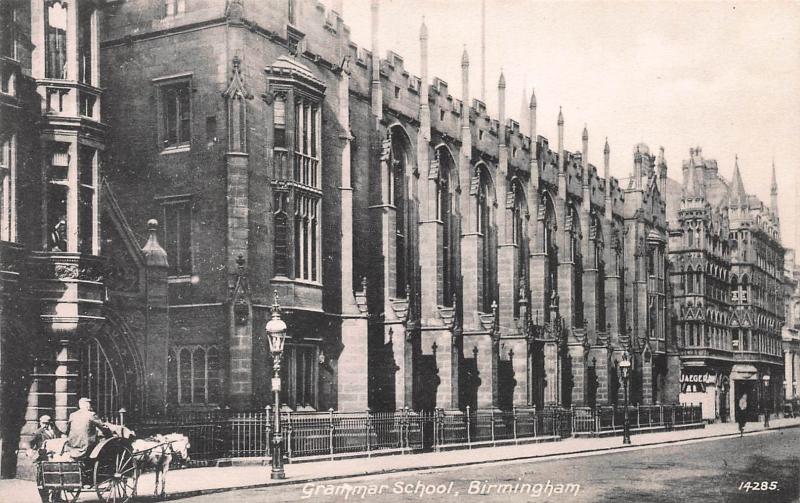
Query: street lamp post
x=625, y=368
x=766, y=398
x=276, y=334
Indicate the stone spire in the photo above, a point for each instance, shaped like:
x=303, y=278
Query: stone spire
x=607, y=166
x=561, y=162
x=532, y=125
x=501, y=107
x=773, y=192
x=424, y=107
x=736, y=195
x=377, y=93
x=585, y=150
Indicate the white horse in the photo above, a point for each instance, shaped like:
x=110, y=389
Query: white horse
x=158, y=452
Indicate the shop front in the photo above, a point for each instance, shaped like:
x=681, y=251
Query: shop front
x=745, y=379
x=705, y=386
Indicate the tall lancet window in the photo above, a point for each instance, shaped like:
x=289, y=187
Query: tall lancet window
x=485, y=221
x=55, y=39
x=598, y=262
x=547, y=227
x=398, y=192
x=519, y=239
x=576, y=256
x=445, y=214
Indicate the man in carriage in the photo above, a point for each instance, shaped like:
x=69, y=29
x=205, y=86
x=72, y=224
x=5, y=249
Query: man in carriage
x=47, y=431
x=82, y=430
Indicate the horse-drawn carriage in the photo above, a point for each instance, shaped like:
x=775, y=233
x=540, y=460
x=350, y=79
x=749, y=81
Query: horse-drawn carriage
x=110, y=469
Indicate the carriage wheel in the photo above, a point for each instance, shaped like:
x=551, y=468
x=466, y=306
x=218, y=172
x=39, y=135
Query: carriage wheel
x=67, y=495
x=115, y=476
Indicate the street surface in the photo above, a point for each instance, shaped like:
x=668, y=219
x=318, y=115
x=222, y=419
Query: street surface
x=756, y=468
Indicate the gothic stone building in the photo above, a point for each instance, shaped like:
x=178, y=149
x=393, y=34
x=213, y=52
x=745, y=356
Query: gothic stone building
x=167, y=165
x=728, y=283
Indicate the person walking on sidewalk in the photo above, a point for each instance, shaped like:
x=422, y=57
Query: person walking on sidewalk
x=741, y=413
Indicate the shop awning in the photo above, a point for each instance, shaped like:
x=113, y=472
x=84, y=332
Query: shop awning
x=744, y=372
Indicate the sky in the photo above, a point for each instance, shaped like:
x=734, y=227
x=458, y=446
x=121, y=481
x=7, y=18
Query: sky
x=721, y=75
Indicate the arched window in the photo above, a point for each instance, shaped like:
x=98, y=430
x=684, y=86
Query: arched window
x=689, y=280
x=548, y=231
x=596, y=236
x=690, y=238
x=445, y=214
x=98, y=379
x=399, y=194
x=520, y=241
x=485, y=223
x=574, y=236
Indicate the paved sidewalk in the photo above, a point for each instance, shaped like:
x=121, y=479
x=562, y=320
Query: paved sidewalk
x=194, y=481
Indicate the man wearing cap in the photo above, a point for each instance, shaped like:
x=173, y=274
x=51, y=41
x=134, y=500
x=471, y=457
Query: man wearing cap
x=47, y=431
x=82, y=430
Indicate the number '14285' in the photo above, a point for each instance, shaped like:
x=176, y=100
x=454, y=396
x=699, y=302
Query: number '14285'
x=763, y=485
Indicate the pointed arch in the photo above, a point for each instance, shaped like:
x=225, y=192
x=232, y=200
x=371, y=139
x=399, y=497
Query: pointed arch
x=547, y=227
x=485, y=203
x=597, y=249
x=574, y=239
x=447, y=213
x=401, y=197
x=518, y=221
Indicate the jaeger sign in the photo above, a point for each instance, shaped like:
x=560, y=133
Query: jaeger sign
x=696, y=383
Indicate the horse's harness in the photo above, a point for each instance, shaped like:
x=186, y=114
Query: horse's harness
x=163, y=445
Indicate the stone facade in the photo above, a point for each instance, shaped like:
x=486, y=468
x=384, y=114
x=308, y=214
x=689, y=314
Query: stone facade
x=790, y=334
x=424, y=253
x=729, y=293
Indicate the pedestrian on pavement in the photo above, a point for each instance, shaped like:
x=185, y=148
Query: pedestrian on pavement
x=82, y=430
x=741, y=413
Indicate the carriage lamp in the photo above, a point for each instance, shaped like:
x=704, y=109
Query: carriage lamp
x=276, y=334
x=766, y=378
x=625, y=368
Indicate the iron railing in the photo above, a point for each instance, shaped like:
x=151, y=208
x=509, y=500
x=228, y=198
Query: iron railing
x=224, y=434
x=640, y=417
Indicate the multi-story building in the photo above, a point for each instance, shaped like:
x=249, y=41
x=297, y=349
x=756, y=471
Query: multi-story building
x=790, y=334
x=726, y=269
x=171, y=167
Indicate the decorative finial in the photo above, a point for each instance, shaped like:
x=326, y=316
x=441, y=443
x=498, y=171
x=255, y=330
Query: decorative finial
x=465, y=57
x=533, y=98
x=423, y=30
x=606, y=149
x=560, y=117
x=240, y=261
x=585, y=135
x=502, y=81
x=275, y=308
